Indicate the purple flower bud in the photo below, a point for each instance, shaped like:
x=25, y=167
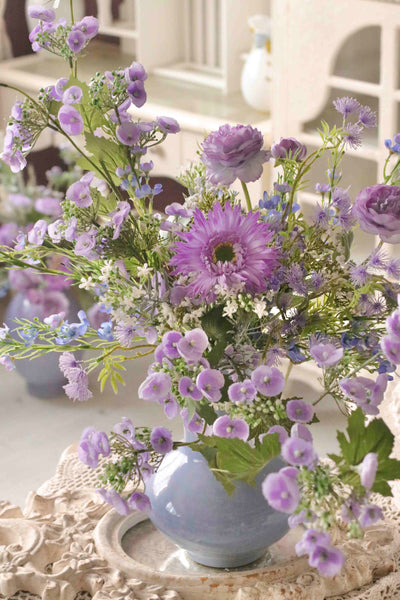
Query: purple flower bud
x=76, y=40
x=168, y=125
x=188, y=389
x=299, y=411
x=137, y=93
x=368, y=469
x=326, y=354
x=283, y=434
x=115, y=500
x=242, y=392
x=281, y=492
x=289, y=148
x=297, y=452
x=139, y=501
x=155, y=387
x=161, y=440
x=328, y=560
x=72, y=95
x=128, y=133
x=210, y=382
x=70, y=120
x=192, y=345
x=231, y=428
x=269, y=381
x=40, y=12
x=369, y=515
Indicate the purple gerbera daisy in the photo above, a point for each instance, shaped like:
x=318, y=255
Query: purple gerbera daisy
x=228, y=249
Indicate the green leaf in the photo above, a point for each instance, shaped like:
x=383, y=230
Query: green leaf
x=206, y=412
x=217, y=328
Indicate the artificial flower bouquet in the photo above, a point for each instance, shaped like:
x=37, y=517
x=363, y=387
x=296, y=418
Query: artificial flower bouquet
x=222, y=291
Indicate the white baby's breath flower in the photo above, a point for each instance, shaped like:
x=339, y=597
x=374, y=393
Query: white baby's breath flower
x=87, y=283
x=144, y=271
x=260, y=308
x=230, y=308
x=106, y=270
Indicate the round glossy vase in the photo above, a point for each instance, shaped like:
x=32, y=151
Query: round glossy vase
x=192, y=508
x=43, y=376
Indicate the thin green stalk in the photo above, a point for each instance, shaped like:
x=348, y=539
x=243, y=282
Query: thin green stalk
x=71, y=8
x=247, y=196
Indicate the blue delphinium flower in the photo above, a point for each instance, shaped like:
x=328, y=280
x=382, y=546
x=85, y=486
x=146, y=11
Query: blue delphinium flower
x=71, y=331
x=105, y=331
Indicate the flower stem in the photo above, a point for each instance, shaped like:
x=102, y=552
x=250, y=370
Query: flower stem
x=247, y=196
x=71, y=8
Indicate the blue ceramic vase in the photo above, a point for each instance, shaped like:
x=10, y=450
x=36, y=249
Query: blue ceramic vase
x=42, y=375
x=192, y=508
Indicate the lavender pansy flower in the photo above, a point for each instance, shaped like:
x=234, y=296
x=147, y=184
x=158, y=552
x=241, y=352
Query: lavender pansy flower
x=192, y=346
x=136, y=72
x=281, y=431
x=128, y=133
x=168, y=125
x=234, y=152
x=391, y=348
x=210, y=382
x=125, y=428
x=155, y=387
x=195, y=424
x=89, y=26
x=70, y=120
x=161, y=440
x=72, y=95
x=393, y=325
x=188, y=389
x=328, y=560
x=369, y=515
x=137, y=93
x=326, y=354
x=115, y=500
x=139, y=501
x=298, y=452
x=269, y=381
x=171, y=406
x=312, y=538
x=85, y=245
x=281, y=492
x=169, y=343
x=76, y=40
x=243, y=392
x=299, y=430
x=37, y=233
x=368, y=469
x=231, y=428
x=299, y=411
x=40, y=12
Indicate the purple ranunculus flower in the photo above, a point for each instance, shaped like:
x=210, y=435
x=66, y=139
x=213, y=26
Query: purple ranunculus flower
x=310, y=540
x=137, y=93
x=37, y=233
x=155, y=387
x=231, y=428
x=40, y=12
x=188, y=389
x=377, y=210
x=79, y=193
x=281, y=492
x=243, y=392
x=139, y=501
x=210, y=382
x=299, y=411
x=161, y=440
x=391, y=348
x=327, y=559
x=234, y=152
x=368, y=469
x=269, y=381
x=227, y=248
x=72, y=95
x=128, y=133
x=70, y=120
x=115, y=500
x=168, y=125
x=89, y=26
x=76, y=40
x=326, y=354
x=281, y=431
x=298, y=452
x=369, y=515
x=288, y=148
x=192, y=346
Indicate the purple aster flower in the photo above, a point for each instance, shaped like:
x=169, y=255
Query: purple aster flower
x=139, y=501
x=210, y=382
x=328, y=560
x=312, y=538
x=76, y=40
x=299, y=411
x=37, y=233
x=161, y=440
x=281, y=431
x=70, y=120
x=128, y=133
x=393, y=325
x=72, y=95
x=195, y=424
x=155, y=387
x=226, y=427
x=40, y=12
x=188, y=389
x=125, y=333
x=169, y=342
x=297, y=452
x=234, y=152
x=192, y=346
x=352, y=135
x=77, y=388
x=377, y=210
x=391, y=348
x=137, y=93
x=368, y=469
x=7, y=362
x=378, y=259
x=299, y=430
x=281, y=492
x=367, y=117
x=393, y=268
x=228, y=248
x=369, y=515
x=358, y=275
x=288, y=148
x=242, y=392
x=326, y=354
x=171, y=406
x=89, y=26
x=115, y=500
x=126, y=429
x=48, y=206
x=135, y=72
x=346, y=106
x=55, y=320
x=269, y=381
x=168, y=125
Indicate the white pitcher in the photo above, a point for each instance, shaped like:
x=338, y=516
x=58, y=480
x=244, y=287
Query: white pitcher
x=256, y=81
